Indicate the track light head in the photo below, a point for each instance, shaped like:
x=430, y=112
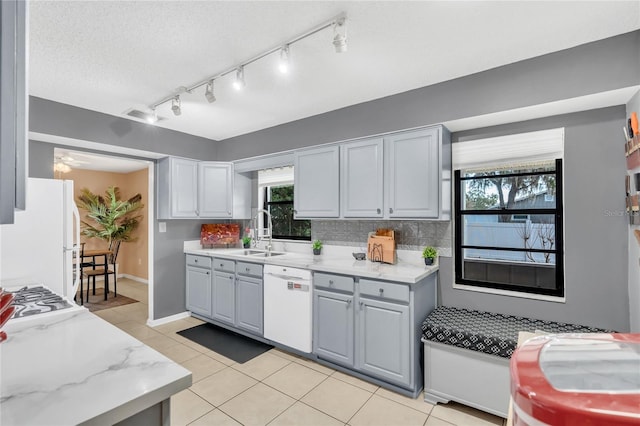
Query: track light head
x=208, y=93
x=239, y=83
x=152, y=117
x=175, y=106
x=283, y=65
x=340, y=35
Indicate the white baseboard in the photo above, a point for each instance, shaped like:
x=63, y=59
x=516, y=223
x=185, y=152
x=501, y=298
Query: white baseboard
x=171, y=318
x=134, y=278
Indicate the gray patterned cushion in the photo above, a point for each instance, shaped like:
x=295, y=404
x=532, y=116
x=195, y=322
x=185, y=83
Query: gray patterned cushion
x=491, y=333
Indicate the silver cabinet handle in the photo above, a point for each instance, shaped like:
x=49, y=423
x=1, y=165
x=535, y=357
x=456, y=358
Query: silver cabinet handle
x=330, y=282
x=390, y=210
x=381, y=291
x=247, y=269
x=207, y=272
x=378, y=211
x=348, y=303
x=361, y=303
x=221, y=265
x=197, y=212
x=195, y=260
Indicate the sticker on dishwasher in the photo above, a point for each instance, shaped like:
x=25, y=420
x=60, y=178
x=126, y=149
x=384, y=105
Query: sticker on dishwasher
x=297, y=286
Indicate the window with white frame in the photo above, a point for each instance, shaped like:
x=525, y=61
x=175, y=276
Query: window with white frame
x=275, y=195
x=508, y=213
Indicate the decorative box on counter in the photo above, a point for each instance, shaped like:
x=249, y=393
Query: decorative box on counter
x=219, y=235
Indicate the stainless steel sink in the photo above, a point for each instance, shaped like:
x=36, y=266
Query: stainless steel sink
x=257, y=253
x=267, y=254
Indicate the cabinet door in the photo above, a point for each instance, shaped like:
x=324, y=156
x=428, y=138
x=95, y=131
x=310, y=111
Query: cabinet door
x=224, y=297
x=383, y=342
x=215, y=190
x=361, y=178
x=199, y=291
x=249, y=304
x=413, y=174
x=333, y=326
x=184, y=188
x=317, y=183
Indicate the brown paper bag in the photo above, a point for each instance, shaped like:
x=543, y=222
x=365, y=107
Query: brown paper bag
x=381, y=249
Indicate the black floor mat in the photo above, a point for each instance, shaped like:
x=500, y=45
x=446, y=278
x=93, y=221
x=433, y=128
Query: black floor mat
x=232, y=345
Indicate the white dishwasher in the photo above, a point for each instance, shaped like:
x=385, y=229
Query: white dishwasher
x=287, y=306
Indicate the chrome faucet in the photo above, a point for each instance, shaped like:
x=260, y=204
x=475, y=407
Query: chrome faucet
x=270, y=227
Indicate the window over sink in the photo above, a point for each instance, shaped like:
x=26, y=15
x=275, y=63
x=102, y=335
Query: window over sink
x=275, y=195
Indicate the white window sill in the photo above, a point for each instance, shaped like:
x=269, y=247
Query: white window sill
x=518, y=294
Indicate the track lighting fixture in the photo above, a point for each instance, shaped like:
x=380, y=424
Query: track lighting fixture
x=340, y=36
x=238, y=83
x=339, y=42
x=283, y=65
x=175, y=106
x=152, y=117
x=208, y=93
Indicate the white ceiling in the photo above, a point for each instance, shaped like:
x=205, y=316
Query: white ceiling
x=111, y=56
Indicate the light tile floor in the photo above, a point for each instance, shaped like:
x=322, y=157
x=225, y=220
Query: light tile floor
x=275, y=388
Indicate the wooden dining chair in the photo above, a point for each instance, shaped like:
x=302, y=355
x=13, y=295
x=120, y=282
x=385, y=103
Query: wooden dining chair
x=79, y=268
x=105, y=269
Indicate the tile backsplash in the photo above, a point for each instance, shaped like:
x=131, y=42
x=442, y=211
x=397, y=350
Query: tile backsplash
x=410, y=234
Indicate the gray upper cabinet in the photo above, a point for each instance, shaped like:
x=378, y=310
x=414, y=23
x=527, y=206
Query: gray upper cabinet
x=413, y=174
x=361, y=178
x=13, y=107
x=198, y=189
x=317, y=182
x=215, y=194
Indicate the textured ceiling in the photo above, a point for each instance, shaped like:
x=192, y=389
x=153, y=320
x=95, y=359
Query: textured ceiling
x=112, y=56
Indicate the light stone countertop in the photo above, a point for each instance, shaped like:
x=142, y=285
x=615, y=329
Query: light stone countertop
x=409, y=269
x=73, y=367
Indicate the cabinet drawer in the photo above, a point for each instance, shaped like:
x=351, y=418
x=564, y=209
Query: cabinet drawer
x=334, y=282
x=250, y=269
x=224, y=265
x=384, y=290
x=201, y=261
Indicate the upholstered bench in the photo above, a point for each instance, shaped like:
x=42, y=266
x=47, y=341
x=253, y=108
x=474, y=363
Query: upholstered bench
x=466, y=355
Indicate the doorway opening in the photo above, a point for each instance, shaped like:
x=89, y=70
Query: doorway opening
x=97, y=171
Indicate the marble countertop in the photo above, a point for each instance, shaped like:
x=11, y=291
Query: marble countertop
x=410, y=268
x=73, y=367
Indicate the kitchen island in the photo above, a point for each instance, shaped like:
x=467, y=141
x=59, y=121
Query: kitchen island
x=72, y=367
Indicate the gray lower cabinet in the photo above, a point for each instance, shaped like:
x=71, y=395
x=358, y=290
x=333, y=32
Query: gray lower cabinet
x=249, y=298
x=333, y=331
x=383, y=340
x=198, y=293
x=372, y=326
x=224, y=297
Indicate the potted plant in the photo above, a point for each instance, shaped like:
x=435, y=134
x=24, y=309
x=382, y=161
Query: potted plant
x=317, y=246
x=429, y=254
x=113, y=219
x=246, y=241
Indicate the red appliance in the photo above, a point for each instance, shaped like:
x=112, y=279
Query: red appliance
x=577, y=379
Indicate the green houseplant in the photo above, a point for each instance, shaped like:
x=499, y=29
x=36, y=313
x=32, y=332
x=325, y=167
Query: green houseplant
x=246, y=241
x=429, y=254
x=317, y=246
x=113, y=219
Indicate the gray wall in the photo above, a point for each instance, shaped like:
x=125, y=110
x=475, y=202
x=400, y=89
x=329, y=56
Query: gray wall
x=607, y=64
x=54, y=118
x=41, y=160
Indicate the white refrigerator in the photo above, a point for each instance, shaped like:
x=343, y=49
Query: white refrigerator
x=42, y=245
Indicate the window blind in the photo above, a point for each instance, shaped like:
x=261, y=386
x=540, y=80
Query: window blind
x=276, y=176
x=524, y=149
